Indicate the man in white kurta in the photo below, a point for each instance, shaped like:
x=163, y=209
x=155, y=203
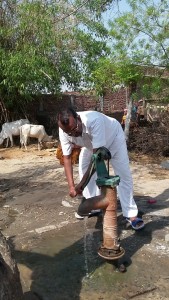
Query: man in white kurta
x=91, y=130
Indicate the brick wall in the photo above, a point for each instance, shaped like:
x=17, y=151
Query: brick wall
x=44, y=109
x=115, y=101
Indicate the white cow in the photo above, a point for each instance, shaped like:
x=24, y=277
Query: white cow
x=11, y=129
x=34, y=131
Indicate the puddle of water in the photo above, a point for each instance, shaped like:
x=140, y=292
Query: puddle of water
x=92, y=240
x=61, y=261
x=65, y=265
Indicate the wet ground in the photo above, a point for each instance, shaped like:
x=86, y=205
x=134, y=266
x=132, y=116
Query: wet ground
x=57, y=255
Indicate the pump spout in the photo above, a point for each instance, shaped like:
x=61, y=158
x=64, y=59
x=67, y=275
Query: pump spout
x=97, y=202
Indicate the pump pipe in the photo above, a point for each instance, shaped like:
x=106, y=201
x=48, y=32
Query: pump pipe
x=107, y=201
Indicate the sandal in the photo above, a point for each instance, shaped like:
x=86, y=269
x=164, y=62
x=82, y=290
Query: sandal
x=135, y=223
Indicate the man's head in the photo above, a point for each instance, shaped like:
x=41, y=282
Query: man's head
x=69, y=121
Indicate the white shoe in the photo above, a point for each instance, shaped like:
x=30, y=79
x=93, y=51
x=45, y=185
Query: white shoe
x=78, y=216
x=93, y=213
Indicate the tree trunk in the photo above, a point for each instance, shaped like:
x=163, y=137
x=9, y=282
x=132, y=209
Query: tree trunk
x=127, y=122
x=10, y=285
x=3, y=112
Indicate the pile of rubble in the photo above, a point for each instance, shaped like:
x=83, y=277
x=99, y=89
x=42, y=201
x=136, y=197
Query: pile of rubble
x=151, y=138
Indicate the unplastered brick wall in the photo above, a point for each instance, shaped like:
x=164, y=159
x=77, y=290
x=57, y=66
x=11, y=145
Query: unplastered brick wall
x=52, y=104
x=85, y=102
x=112, y=101
x=44, y=109
x=47, y=104
x=115, y=101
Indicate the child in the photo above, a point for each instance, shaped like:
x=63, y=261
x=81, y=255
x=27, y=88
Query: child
x=124, y=118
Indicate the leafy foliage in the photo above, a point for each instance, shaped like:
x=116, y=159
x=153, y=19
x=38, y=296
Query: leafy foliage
x=110, y=73
x=139, y=38
x=46, y=43
x=142, y=32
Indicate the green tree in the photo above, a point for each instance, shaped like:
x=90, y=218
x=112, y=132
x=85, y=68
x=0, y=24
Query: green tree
x=141, y=37
x=113, y=71
x=45, y=43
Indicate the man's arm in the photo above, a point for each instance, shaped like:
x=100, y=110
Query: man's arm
x=69, y=175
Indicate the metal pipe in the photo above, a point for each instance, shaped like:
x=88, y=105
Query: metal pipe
x=110, y=237
x=110, y=248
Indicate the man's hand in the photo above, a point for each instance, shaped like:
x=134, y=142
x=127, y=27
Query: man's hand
x=78, y=189
x=72, y=192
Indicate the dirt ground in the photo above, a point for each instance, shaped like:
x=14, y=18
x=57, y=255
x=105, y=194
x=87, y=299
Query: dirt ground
x=57, y=254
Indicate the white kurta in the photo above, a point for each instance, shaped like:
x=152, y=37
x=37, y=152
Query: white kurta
x=100, y=130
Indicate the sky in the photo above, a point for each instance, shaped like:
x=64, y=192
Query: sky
x=119, y=6
x=115, y=9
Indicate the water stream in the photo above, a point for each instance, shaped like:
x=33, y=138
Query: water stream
x=85, y=248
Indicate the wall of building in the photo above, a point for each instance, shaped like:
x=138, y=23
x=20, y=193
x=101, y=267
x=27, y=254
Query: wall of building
x=115, y=101
x=44, y=109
